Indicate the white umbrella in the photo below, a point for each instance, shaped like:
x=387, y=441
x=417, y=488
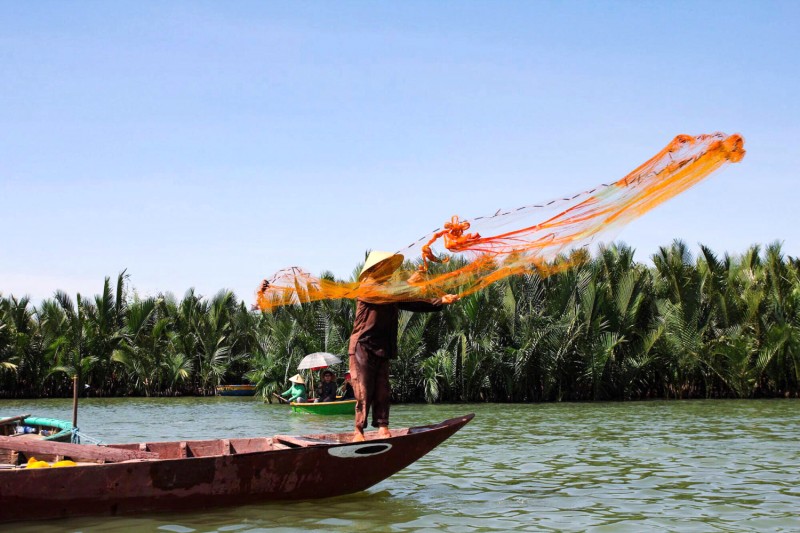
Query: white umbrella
x=318, y=360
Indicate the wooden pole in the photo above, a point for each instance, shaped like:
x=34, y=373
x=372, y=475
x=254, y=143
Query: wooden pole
x=280, y=398
x=75, y=401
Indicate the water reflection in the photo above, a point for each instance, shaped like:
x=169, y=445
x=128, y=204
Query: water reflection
x=700, y=465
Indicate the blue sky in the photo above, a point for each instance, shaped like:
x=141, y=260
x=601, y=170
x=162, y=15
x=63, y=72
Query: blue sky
x=209, y=144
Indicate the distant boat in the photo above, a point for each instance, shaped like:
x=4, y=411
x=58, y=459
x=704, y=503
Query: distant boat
x=236, y=390
x=36, y=427
x=27, y=428
x=343, y=407
x=189, y=475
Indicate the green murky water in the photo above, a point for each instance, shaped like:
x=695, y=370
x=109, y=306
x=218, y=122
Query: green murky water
x=679, y=466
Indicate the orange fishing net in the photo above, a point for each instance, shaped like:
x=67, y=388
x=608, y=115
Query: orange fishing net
x=535, y=237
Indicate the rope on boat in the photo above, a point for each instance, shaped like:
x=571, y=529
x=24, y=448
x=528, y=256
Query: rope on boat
x=83, y=438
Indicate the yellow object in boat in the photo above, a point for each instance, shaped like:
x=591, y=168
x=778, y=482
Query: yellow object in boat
x=33, y=463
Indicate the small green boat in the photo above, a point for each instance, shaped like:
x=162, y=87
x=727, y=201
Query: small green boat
x=36, y=427
x=345, y=407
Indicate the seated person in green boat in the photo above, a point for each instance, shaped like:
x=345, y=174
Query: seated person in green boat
x=326, y=392
x=347, y=389
x=297, y=392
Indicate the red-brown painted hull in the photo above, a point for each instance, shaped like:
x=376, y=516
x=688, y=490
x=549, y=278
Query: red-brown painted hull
x=319, y=468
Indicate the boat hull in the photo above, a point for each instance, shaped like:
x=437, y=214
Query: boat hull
x=346, y=407
x=306, y=468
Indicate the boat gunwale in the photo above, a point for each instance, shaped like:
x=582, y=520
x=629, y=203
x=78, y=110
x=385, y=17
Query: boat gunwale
x=323, y=440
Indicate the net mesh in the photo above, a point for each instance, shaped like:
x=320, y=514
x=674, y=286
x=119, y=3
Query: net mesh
x=466, y=255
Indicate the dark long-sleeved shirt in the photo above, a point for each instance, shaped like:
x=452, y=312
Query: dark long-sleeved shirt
x=375, y=326
x=348, y=393
x=326, y=392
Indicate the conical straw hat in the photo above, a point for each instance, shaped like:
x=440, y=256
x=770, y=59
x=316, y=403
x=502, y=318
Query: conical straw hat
x=384, y=261
x=297, y=378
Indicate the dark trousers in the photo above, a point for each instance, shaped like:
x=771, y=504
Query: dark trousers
x=369, y=375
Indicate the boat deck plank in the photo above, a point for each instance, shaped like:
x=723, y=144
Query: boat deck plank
x=302, y=442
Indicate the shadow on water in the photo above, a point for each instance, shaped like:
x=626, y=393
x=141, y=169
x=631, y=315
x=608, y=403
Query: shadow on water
x=367, y=511
x=683, y=466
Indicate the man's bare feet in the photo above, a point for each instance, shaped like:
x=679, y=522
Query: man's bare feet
x=358, y=436
x=383, y=432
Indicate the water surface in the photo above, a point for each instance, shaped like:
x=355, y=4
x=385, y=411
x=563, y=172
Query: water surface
x=679, y=466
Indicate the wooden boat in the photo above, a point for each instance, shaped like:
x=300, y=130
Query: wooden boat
x=236, y=390
x=34, y=427
x=189, y=475
x=342, y=407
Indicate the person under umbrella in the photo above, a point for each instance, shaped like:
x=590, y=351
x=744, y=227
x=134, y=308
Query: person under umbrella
x=318, y=361
x=326, y=392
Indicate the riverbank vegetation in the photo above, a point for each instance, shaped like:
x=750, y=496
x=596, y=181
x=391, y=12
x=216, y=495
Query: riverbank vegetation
x=607, y=328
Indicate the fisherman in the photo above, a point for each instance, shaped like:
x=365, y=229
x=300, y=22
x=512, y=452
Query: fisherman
x=373, y=343
x=297, y=392
x=326, y=392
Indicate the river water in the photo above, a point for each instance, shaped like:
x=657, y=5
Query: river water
x=677, y=465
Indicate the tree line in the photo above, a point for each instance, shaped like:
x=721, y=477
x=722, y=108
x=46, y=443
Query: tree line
x=606, y=328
